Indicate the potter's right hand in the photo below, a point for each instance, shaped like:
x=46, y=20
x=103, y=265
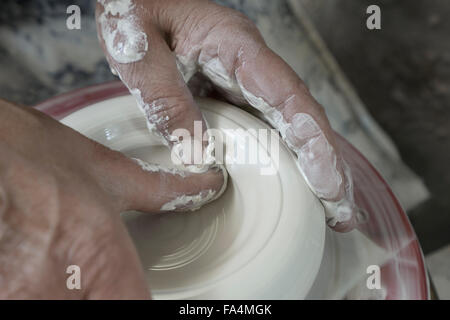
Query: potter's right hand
x=156, y=46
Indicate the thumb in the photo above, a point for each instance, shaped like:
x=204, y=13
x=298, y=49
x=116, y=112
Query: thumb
x=138, y=185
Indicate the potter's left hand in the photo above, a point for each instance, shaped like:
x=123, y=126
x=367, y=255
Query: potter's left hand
x=157, y=46
x=61, y=195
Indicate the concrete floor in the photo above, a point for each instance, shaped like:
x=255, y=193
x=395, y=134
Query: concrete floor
x=402, y=73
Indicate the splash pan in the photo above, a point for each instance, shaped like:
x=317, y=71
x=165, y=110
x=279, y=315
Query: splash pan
x=266, y=237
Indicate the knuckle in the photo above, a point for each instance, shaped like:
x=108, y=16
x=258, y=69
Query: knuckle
x=216, y=22
x=43, y=186
x=320, y=110
x=242, y=21
x=309, y=103
x=238, y=23
x=33, y=187
x=27, y=118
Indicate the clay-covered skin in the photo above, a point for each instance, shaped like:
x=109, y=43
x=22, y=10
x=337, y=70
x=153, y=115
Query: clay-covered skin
x=61, y=195
x=198, y=37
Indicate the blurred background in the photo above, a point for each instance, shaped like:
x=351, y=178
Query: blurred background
x=387, y=91
x=402, y=74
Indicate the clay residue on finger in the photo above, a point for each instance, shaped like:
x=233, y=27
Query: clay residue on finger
x=156, y=119
x=186, y=202
x=196, y=201
x=316, y=157
x=189, y=202
x=124, y=39
x=150, y=167
x=343, y=210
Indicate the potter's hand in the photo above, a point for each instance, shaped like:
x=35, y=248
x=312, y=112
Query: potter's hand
x=155, y=46
x=60, y=199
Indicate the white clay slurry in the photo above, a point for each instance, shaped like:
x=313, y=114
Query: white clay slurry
x=343, y=210
x=337, y=211
x=189, y=202
x=152, y=115
x=185, y=202
x=194, y=202
x=158, y=168
x=124, y=39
